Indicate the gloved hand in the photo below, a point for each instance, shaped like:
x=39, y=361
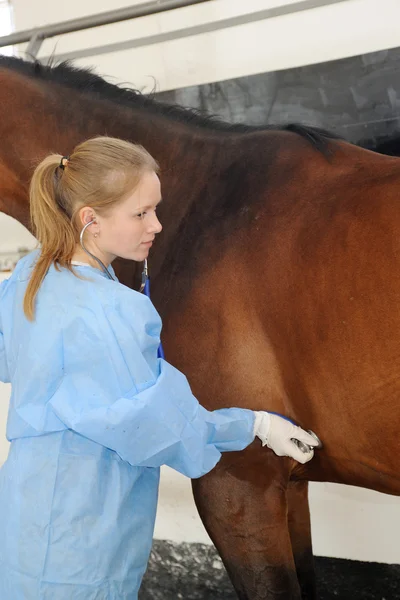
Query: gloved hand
x=278, y=434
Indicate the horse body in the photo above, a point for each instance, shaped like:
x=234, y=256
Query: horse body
x=304, y=313
x=304, y=317
x=276, y=277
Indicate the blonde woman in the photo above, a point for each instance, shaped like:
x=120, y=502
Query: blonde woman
x=94, y=413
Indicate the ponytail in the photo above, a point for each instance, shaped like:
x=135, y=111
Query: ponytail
x=51, y=225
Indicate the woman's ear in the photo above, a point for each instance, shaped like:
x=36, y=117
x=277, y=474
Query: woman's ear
x=86, y=215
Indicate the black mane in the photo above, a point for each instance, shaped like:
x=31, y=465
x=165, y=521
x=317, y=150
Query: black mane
x=87, y=82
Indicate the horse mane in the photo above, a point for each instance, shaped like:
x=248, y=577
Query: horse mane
x=86, y=81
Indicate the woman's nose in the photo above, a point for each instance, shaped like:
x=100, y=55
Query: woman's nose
x=154, y=224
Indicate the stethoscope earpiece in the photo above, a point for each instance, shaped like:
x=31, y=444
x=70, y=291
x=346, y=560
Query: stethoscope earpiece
x=145, y=272
x=102, y=265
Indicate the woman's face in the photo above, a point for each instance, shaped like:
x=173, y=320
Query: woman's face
x=129, y=229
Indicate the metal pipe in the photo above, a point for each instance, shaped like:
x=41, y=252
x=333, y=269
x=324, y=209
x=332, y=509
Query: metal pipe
x=104, y=18
x=176, y=34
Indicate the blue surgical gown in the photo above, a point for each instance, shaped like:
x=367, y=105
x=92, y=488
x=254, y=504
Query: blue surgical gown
x=93, y=415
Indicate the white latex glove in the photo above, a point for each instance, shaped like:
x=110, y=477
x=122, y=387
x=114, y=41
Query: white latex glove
x=278, y=434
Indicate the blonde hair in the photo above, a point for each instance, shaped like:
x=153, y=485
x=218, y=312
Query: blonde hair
x=99, y=173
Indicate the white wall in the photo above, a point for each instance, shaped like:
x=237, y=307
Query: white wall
x=331, y=32
x=347, y=522
x=13, y=235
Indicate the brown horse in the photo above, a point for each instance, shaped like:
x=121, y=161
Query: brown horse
x=277, y=280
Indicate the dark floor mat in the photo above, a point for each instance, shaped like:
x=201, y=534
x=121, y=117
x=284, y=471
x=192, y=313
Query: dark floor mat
x=195, y=572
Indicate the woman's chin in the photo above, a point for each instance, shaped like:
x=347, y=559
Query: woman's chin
x=140, y=256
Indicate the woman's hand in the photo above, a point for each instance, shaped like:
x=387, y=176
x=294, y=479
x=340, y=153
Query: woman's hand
x=284, y=437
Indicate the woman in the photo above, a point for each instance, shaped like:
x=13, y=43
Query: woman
x=94, y=413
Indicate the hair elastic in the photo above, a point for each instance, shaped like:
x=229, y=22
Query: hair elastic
x=63, y=162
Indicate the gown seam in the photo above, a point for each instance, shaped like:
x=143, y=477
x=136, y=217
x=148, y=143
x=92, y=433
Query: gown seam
x=50, y=515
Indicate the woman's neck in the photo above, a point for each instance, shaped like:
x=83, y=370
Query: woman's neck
x=81, y=256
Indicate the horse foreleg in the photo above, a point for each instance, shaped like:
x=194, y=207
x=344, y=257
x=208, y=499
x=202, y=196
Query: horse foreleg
x=300, y=535
x=244, y=509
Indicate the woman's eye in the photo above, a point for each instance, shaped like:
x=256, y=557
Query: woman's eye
x=144, y=213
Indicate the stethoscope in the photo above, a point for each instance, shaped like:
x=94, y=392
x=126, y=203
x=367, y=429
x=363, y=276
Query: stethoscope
x=145, y=288
x=305, y=448
x=145, y=284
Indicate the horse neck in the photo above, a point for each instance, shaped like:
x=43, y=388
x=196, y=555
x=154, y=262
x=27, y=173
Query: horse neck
x=208, y=191
x=201, y=168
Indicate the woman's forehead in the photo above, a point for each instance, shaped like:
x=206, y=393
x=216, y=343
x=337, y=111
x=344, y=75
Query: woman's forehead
x=146, y=194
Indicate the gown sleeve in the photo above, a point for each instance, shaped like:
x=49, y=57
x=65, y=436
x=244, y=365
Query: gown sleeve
x=4, y=372
x=116, y=392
